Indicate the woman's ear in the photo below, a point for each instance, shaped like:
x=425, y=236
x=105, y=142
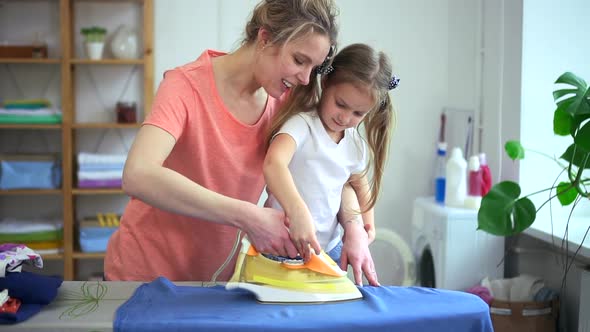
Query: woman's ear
x=263, y=37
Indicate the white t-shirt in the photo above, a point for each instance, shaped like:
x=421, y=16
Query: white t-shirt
x=320, y=167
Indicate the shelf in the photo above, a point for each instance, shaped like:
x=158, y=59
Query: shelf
x=29, y=126
x=52, y=256
x=88, y=255
x=113, y=125
x=101, y=191
x=42, y=61
x=31, y=192
x=108, y=62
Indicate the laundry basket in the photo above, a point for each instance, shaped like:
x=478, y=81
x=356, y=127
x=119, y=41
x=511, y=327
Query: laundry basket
x=524, y=316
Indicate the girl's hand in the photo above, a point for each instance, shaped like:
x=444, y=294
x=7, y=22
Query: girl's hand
x=355, y=252
x=268, y=233
x=302, y=230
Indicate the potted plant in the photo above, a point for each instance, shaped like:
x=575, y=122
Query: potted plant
x=94, y=41
x=503, y=210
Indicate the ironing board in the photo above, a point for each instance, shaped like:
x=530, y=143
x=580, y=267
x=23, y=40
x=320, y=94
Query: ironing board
x=162, y=305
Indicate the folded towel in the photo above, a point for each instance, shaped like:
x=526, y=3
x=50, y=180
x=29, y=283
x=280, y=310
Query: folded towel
x=100, y=175
x=19, y=226
x=100, y=158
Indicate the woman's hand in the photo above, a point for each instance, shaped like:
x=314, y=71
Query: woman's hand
x=268, y=232
x=355, y=252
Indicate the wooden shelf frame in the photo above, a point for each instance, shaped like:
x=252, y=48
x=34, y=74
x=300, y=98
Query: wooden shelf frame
x=68, y=62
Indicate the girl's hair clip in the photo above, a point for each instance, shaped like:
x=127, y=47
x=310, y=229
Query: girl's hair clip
x=393, y=83
x=325, y=68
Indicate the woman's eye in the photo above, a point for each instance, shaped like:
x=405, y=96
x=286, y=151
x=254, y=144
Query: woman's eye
x=297, y=61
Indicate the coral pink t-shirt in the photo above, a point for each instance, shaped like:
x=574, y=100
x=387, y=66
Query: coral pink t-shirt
x=214, y=149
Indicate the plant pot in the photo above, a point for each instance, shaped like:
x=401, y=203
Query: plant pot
x=94, y=50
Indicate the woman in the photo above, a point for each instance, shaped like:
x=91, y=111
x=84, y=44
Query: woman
x=194, y=171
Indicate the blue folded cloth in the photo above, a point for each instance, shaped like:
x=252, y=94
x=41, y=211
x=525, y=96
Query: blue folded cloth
x=31, y=288
x=163, y=306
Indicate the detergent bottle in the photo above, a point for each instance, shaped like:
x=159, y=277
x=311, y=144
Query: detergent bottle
x=486, y=174
x=456, y=179
x=474, y=183
x=439, y=172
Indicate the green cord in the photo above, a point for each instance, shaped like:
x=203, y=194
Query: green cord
x=86, y=301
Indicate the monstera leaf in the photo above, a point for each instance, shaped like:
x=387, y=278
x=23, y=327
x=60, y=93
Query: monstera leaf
x=503, y=213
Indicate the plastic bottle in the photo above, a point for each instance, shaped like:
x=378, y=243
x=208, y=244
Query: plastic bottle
x=456, y=183
x=486, y=174
x=473, y=199
x=440, y=165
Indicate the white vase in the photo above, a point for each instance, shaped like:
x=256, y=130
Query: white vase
x=124, y=44
x=94, y=50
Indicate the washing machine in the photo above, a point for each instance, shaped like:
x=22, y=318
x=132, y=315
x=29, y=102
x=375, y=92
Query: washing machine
x=449, y=251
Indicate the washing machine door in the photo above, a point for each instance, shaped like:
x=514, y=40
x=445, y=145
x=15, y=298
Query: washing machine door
x=426, y=271
x=394, y=262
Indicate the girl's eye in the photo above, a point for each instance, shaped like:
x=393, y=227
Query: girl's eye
x=358, y=114
x=339, y=104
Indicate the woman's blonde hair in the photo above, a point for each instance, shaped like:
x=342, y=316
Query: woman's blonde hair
x=287, y=20
x=365, y=68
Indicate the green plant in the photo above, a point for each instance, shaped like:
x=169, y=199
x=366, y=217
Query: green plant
x=93, y=34
x=503, y=212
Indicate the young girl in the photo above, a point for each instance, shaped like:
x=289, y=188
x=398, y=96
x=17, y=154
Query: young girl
x=316, y=148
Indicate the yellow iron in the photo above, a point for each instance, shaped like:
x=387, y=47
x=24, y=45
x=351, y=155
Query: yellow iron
x=290, y=280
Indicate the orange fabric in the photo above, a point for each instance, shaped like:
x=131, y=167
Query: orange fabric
x=213, y=149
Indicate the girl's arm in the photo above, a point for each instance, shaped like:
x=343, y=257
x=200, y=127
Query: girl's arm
x=280, y=183
x=360, y=184
x=145, y=178
x=356, y=239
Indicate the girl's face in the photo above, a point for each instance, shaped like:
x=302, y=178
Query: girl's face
x=282, y=67
x=342, y=106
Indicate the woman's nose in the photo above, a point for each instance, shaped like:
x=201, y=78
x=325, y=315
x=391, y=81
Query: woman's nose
x=303, y=76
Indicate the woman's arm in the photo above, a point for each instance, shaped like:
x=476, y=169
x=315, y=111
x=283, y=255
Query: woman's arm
x=280, y=183
x=145, y=178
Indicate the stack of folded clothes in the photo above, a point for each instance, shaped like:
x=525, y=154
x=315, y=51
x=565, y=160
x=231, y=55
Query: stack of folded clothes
x=29, y=111
x=97, y=170
x=45, y=236
x=23, y=294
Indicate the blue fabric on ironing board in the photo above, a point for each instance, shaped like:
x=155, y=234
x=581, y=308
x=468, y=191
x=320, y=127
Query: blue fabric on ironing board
x=163, y=306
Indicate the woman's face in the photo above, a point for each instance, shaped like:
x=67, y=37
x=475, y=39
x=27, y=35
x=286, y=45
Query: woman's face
x=282, y=67
x=344, y=105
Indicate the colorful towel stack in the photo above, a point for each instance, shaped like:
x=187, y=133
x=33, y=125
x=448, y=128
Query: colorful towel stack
x=42, y=235
x=29, y=111
x=97, y=170
x=23, y=294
